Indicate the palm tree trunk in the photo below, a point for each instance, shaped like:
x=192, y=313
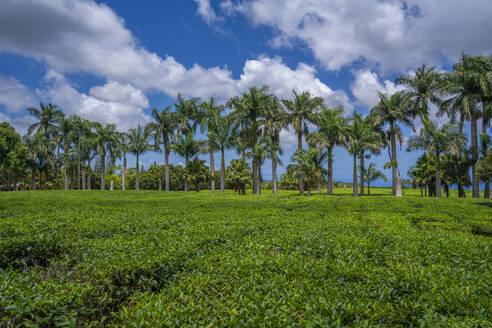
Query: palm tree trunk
x=461, y=189
x=474, y=141
x=446, y=188
x=329, y=187
x=66, y=177
x=486, y=190
x=166, y=167
x=103, y=171
x=78, y=169
x=368, y=187
x=394, y=164
x=438, y=183
x=123, y=174
x=354, y=177
x=160, y=184
x=274, y=175
x=84, y=173
x=89, y=174
x=361, y=160
x=299, y=147
x=222, y=171
x=33, y=179
x=258, y=178
x=137, y=175
x=186, y=181
x=212, y=170
x=254, y=167
x=318, y=176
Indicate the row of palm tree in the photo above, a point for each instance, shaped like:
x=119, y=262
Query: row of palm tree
x=255, y=119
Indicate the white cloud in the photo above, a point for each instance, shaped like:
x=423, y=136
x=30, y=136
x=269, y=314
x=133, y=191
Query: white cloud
x=392, y=34
x=72, y=36
x=366, y=87
x=14, y=95
x=115, y=92
x=288, y=139
x=106, y=109
x=206, y=11
x=282, y=80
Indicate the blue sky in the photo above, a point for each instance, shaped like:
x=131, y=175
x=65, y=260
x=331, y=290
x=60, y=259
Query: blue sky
x=113, y=61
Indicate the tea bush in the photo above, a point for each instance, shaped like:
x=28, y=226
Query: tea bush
x=155, y=259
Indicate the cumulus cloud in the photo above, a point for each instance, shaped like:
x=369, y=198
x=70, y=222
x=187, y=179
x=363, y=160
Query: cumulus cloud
x=73, y=36
x=282, y=80
x=366, y=87
x=97, y=105
x=115, y=92
x=14, y=95
x=390, y=34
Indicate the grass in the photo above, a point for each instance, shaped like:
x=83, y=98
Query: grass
x=154, y=259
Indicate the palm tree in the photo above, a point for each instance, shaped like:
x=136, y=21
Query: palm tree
x=372, y=174
x=238, y=174
x=301, y=110
x=123, y=149
x=436, y=141
x=196, y=172
x=187, y=147
x=462, y=90
x=332, y=132
x=165, y=122
x=310, y=166
x=209, y=111
x=275, y=119
x=138, y=144
x=393, y=110
x=423, y=87
x=105, y=137
x=483, y=76
x=66, y=133
x=273, y=150
x=222, y=137
x=248, y=113
x=48, y=118
x=187, y=114
x=361, y=136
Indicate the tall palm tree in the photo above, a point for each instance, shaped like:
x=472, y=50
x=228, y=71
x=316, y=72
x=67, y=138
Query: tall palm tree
x=483, y=75
x=248, y=112
x=222, y=137
x=209, y=111
x=105, y=137
x=393, y=110
x=331, y=132
x=422, y=87
x=435, y=141
x=138, y=144
x=187, y=147
x=310, y=166
x=123, y=149
x=274, y=121
x=301, y=110
x=66, y=131
x=48, y=118
x=461, y=89
x=361, y=136
x=187, y=114
x=165, y=122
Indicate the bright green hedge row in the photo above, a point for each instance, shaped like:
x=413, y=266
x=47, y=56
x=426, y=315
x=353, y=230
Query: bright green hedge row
x=155, y=259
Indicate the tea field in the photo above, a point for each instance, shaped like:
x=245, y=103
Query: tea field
x=155, y=259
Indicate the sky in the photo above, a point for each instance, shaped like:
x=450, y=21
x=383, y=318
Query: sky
x=113, y=61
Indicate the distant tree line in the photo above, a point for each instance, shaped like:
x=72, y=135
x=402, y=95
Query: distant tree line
x=74, y=153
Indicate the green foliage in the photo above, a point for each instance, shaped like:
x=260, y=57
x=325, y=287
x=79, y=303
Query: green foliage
x=150, y=259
